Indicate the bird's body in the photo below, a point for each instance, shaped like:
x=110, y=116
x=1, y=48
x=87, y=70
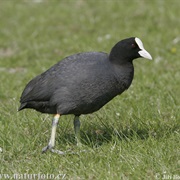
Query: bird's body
x=83, y=83
x=79, y=84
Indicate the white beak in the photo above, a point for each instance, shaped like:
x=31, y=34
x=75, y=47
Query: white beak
x=143, y=53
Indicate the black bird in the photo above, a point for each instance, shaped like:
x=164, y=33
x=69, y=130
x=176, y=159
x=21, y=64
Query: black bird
x=82, y=83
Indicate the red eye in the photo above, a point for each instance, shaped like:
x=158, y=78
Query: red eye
x=133, y=45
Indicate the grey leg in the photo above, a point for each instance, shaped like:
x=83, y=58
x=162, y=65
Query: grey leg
x=77, y=125
x=51, y=143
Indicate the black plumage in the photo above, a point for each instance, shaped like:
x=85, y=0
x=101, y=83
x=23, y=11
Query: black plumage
x=83, y=83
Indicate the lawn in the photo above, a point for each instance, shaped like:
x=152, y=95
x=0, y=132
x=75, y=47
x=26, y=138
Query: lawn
x=136, y=135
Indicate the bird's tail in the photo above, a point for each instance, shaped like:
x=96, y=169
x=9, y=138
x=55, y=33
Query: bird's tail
x=22, y=106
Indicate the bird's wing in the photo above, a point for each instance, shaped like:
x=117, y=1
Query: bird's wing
x=65, y=74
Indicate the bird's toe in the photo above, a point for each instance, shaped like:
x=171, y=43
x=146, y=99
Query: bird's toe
x=57, y=151
x=49, y=147
x=45, y=149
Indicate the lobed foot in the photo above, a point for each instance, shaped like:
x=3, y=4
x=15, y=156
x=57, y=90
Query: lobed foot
x=49, y=147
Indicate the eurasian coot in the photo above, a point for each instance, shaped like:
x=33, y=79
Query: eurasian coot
x=82, y=83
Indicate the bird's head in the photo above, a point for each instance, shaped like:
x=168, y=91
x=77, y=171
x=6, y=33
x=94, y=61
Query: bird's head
x=128, y=50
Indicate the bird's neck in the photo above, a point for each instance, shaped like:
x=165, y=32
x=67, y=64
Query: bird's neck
x=124, y=74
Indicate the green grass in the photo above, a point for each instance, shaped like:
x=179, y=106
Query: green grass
x=136, y=135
